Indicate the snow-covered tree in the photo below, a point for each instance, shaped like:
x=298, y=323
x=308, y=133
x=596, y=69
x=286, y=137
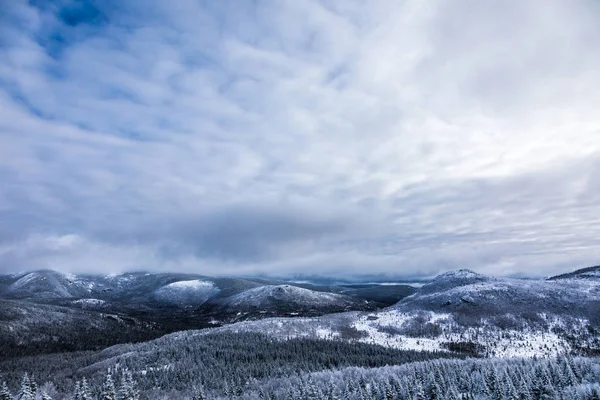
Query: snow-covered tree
x=77, y=391
x=25, y=391
x=48, y=391
x=84, y=390
x=5, y=393
x=128, y=390
x=109, y=391
x=199, y=393
x=45, y=396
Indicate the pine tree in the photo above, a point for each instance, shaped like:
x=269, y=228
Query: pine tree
x=199, y=393
x=335, y=394
x=227, y=390
x=25, y=392
x=128, y=390
x=491, y=380
x=452, y=394
x=261, y=394
x=77, y=391
x=46, y=396
x=568, y=376
x=108, y=388
x=420, y=393
x=542, y=388
x=5, y=393
x=85, y=391
x=313, y=391
x=434, y=388
x=389, y=392
x=34, y=386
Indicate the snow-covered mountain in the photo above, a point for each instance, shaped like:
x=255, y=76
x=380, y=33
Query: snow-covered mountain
x=190, y=292
x=176, y=289
x=282, y=300
x=459, y=310
x=45, y=285
x=271, y=294
x=468, y=312
x=591, y=273
x=470, y=293
x=166, y=301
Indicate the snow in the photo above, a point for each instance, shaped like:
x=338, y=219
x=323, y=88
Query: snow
x=192, y=292
x=92, y=302
x=89, y=303
x=262, y=295
x=459, y=274
x=25, y=280
x=497, y=343
x=325, y=333
x=195, y=284
x=70, y=277
x=493, y=341
x=393, y=318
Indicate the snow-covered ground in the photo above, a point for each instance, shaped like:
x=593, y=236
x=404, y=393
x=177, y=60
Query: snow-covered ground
x=89, y=302
x=193, y=292
x=264, y=294
x=391, y=328
x=494, y=342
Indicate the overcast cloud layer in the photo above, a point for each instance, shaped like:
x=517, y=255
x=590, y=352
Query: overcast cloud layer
x=337, y=138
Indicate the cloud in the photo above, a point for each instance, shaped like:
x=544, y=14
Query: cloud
x=277, y=137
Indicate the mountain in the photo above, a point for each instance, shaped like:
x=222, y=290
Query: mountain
x=467, y=312
x=467, y=292
x=281, y=300
x=189, y=292
x=480, y=314
x=28, y=328
x=592, y=273
x=167, y=302
x=41, y=285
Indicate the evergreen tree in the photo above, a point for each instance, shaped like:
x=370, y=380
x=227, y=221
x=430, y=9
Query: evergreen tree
x=108, y=388
x=46, y=396
x=420, y=393
x=128, y=391
x=77, y=391
x=5, y=393
x=199, y=393
x=85, y=393
x=34, y=386
x=435, y=393
x=568, y=376
x=389, y=392
x=261, y=394
x=313, y=391
x=545, y=389
x=25, y=392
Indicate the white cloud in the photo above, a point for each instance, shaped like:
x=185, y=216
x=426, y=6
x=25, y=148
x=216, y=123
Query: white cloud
x=447, y=133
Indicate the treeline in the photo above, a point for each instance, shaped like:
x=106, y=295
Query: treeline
x=562, y=378
x=254, y=366
x=126, y=389
x=222, y=362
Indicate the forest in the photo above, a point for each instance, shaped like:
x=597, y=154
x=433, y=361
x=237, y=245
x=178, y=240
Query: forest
x=217, y=367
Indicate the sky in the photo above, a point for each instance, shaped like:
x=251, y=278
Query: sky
x=294, y=138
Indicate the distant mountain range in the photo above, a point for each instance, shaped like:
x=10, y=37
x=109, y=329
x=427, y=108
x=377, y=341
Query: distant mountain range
x=95, y=311
x=470, y=313
x=139, y=306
